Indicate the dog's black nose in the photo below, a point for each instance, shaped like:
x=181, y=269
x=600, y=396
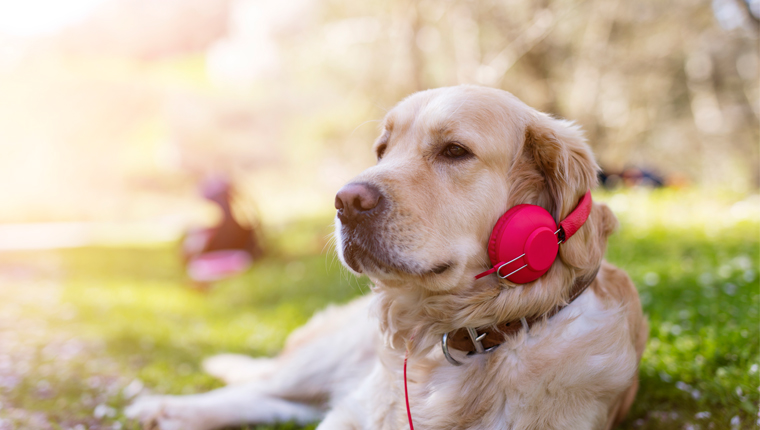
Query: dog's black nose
x=356, y=199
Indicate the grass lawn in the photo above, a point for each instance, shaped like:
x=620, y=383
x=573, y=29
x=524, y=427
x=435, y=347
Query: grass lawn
x=84, y=330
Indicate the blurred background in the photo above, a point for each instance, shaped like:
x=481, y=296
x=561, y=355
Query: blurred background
x=113, y=112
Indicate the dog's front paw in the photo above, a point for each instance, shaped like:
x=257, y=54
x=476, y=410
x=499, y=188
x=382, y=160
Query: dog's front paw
x=165, y=413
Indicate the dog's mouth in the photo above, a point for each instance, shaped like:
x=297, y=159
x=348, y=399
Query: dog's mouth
x=363, y=259
x=437, y=270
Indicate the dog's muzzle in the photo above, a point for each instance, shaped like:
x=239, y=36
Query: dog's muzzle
x=361, y=209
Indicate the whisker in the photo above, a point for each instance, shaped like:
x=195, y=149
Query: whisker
x=380, y=107
x=365, y=122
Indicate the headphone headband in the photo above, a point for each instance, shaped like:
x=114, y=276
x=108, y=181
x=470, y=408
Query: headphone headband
x=577, y=217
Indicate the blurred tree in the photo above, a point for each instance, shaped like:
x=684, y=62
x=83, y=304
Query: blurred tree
x=145, y=97
x=669, y=85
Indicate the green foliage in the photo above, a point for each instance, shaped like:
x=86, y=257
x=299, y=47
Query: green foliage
x=701, y=296
x=81, y=330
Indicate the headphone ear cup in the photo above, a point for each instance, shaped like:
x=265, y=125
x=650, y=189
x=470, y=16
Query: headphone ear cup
x=498, y=233
x=524, y=229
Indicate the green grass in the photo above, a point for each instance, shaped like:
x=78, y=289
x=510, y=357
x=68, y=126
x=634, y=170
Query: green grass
x=82, y=330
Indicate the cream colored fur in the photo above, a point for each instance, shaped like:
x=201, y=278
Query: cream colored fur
x=577, y=370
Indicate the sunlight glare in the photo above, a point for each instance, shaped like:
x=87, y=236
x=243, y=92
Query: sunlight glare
x=37, y=17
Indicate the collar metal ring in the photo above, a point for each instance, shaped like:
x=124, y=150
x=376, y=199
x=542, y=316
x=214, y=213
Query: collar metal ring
x=445, y=348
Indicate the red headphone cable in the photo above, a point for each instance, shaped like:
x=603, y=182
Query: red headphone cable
x=406, y=394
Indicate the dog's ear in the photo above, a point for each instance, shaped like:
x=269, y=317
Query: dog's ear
x=559, y=152
x=564, y=159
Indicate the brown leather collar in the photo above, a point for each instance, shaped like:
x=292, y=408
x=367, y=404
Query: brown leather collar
x=494, y=335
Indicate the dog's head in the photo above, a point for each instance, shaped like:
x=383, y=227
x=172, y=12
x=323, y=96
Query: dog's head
x=450, y=162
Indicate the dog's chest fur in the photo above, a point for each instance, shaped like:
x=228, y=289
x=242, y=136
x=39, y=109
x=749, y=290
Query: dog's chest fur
x=531, y=381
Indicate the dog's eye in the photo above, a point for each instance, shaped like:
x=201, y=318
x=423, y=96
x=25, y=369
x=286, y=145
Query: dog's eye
x=453, y=151
x=381, y=151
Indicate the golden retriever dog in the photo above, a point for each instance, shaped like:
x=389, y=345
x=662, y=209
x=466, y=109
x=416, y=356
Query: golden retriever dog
x=450, y=163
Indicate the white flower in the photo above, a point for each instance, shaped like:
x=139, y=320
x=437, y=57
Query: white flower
x=103, y=410
x=735, y=421
x=133, y=388
x=683, y=386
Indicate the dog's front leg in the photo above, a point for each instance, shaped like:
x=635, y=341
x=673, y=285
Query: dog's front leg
x=377, y=403
x=228, y=406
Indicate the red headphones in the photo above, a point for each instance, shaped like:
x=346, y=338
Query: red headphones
x=525, y=241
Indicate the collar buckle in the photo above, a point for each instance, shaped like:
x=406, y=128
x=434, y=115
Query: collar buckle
x=476, y=339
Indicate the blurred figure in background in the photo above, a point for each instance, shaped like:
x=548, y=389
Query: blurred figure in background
x=224, y=250
x=631, y=177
